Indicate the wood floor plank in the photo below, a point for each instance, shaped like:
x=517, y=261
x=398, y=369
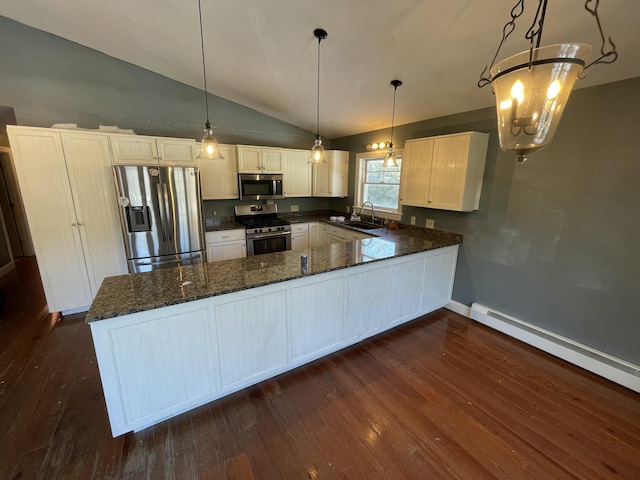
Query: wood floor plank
x=440, y=397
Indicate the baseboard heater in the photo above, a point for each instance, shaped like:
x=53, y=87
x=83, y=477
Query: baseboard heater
x=600, y=363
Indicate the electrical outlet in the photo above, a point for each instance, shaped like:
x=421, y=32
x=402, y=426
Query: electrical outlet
x=294, y=208
x=214, y=212
x=430, y=223
x=348, y=209
x=413, y=220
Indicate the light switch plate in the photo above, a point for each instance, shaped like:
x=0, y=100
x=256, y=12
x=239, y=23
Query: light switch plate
x=294, y=208
x=430, y=223
x=413, y=220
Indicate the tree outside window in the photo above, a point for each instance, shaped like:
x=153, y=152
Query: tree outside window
x=381, y=186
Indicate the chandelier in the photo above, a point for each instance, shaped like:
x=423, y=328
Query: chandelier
x=532, y=87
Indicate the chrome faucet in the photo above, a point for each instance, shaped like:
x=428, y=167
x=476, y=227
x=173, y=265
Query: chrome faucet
x=373, y=212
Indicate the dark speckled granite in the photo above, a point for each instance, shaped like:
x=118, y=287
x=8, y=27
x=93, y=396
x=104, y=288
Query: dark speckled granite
x=126, y=294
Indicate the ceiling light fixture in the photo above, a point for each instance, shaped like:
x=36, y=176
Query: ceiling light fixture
x=317, y=152
x=390, y=157
x=532, y=87
x=209, y=147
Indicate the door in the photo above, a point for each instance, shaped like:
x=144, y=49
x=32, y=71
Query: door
x=134, y=150
x=16, y=213
x=46, y=192
x=449, y=171
x=416, y=173
x=89, y=165
x=182, y=209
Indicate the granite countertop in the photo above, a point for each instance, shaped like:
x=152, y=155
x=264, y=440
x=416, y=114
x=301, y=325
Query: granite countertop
x=126, y=294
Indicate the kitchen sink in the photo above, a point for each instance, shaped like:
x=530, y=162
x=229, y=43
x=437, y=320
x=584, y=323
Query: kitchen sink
x=362, y=225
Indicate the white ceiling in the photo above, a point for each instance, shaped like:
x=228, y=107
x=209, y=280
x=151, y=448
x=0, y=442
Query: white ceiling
x=262, y=53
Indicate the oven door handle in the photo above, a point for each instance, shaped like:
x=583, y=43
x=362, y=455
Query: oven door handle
x=268, y=235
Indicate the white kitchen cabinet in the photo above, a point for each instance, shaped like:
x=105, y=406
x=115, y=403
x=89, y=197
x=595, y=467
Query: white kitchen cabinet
x=143, y=150
x=226, y=244
x=159, y=363
x=330, y=179
x=219, y=178
x=296, y=173
x=67, y=187
x=253, y=159
x=416, y=172
x=299, y=236
x=444, y=172
x=315, y=238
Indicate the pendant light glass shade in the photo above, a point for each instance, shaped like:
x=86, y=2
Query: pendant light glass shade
x=531, y=95
x=209, y=146
x=317, y=152
x=390, y=157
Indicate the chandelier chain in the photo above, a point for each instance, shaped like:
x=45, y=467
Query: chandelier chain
x=534, y=35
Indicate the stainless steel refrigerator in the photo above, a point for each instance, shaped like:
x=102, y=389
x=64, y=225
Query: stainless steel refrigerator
x=161, y=216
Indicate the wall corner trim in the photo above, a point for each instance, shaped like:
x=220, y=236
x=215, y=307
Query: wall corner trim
x=459, y=308
x=595, y=361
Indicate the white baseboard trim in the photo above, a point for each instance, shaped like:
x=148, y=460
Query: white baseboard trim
x=459, y=308
x=600, y=363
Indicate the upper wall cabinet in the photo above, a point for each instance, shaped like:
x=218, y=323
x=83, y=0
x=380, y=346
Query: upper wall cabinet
x=219, y=178
x=444, y=172
x=296, y=173
x=253, y=159
x=330, y=179
x=142, y=150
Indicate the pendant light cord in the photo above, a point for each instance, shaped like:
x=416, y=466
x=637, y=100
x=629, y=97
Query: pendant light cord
x=393, y=115
x=318, y=95
x=204, y=66
x=396, y=84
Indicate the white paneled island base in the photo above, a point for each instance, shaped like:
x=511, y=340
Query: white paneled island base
x=159, y=363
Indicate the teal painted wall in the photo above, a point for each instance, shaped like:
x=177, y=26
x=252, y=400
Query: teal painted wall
x=49, y=80
x=555, y=241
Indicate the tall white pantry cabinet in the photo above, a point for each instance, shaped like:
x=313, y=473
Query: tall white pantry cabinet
x=67, y=186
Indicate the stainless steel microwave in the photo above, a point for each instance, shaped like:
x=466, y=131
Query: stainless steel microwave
x=260, y=186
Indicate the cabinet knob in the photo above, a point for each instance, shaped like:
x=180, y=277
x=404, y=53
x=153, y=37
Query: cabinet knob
x=74, y=225
x=80, y=223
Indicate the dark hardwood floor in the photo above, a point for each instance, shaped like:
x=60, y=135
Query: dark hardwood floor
x=439, y=398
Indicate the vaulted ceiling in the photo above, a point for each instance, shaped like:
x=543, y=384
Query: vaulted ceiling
x=262, y=53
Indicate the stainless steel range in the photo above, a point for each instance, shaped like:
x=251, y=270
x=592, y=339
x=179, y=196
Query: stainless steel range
x=266, y=233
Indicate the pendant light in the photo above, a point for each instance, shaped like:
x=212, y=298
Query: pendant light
x=317, y=152
x=532, y=87
x=390, y=157
x=209, y=147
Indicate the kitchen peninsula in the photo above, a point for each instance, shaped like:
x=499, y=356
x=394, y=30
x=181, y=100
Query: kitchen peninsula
x=170, y=340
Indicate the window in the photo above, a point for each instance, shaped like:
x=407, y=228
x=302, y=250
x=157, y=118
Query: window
x=376, y=184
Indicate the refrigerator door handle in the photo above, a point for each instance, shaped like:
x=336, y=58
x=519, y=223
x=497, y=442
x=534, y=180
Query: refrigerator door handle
x=163, y=216
x=169, y=222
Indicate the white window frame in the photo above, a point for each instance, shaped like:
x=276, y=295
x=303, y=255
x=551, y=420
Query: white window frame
x=395, y=214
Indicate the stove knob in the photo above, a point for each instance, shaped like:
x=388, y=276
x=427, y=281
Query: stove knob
x=259, y=230
x=269, y=229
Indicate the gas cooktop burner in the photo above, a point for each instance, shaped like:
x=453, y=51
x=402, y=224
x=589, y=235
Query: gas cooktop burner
x=261, y=219
x=262, y=222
